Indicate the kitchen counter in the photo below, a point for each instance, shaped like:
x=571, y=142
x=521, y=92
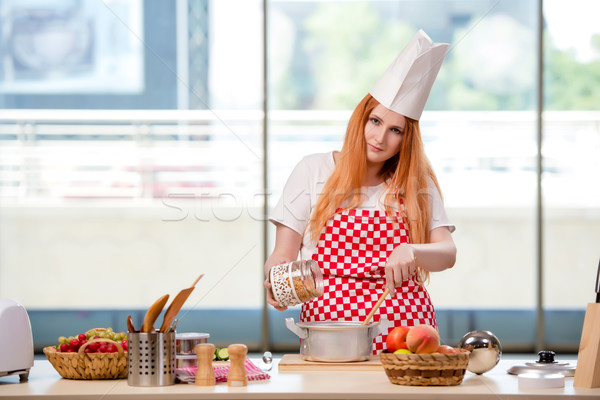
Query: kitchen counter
x=44, y=382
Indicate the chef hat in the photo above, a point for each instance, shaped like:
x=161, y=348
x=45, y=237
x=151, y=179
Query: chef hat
x=405, y=85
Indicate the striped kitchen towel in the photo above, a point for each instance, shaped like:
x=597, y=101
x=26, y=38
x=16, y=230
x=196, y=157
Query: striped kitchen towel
x=221, y=369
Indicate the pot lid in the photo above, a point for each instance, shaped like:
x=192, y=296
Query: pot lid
x=191, y=336
x=545, y=365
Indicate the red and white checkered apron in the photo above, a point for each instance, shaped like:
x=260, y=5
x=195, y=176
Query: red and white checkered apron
x=352, y=252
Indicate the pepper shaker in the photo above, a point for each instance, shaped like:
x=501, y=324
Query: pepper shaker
x=237, y=371
x=205, y=375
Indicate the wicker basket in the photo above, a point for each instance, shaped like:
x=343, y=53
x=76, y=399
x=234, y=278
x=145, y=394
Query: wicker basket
x=425, y=369
x=82, y=365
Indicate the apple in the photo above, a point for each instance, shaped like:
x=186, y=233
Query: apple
x=396, y=339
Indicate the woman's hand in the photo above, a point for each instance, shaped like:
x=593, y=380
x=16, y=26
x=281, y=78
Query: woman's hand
x=400, y=266
x=287, y=247
x=270, y=299
x=437, y=255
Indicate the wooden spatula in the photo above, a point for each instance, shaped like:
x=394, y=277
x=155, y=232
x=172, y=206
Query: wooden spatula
x=153, y=313
x=176, y=305
x=376, y=306
x=130, y=326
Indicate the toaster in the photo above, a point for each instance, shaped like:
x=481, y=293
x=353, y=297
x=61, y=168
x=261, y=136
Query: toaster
x=16, y=358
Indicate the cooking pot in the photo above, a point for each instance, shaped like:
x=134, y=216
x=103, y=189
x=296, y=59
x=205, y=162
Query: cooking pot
x=185, y=343
x=336, y=341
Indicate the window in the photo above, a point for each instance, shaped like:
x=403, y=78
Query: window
x=570, y=148
x=132, y=155
x=478, y=126
x=123, y=177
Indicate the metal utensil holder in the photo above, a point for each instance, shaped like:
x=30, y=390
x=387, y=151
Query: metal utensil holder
x=151, y=359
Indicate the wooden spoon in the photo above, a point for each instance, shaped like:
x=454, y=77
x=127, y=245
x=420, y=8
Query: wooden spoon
x=153, y=313
x=376, y=306
x=176, y=305
x=130, y=326
x=197, y=279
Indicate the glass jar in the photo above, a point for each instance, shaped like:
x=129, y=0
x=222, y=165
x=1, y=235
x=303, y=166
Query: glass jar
x=296, y=282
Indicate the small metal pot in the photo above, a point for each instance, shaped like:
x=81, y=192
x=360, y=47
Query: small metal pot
x=336, y=341
x=185, y=343
x=186, y=361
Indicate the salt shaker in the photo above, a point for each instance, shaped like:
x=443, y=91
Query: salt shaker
x=237, y=371
x=205, y=375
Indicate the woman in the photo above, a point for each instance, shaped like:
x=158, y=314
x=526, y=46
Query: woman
x=371, y=215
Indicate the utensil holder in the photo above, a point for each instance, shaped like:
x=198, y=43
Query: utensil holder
x=151, y=359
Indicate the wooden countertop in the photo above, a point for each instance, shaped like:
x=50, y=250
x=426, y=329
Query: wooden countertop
x=44, y=382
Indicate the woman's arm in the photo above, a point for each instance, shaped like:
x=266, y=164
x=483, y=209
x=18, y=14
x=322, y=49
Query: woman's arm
x=438, y=255
x=287, y=247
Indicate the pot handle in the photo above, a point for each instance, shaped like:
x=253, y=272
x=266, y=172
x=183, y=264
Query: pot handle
x=291, y=325
x=382, y=327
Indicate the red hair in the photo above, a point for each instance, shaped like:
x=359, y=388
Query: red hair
x=407, y=175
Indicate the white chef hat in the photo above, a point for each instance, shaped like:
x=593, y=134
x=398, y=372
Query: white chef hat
x=406, y=84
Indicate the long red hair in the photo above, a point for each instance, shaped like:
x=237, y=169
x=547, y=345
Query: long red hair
x=407, y=176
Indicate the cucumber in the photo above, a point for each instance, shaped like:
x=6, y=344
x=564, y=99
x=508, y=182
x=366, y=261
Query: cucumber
x=222, y=354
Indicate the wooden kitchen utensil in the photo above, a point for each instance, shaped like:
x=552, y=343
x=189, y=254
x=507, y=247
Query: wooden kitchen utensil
x=376, y=306
x=153, y=313
x=295, y=363
x=237, y=371
x=205, y=374
x=587, y=373
x=197, y=279
x=130, y=326
x=176, y=305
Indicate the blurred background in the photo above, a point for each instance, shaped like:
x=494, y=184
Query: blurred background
x=143, y=142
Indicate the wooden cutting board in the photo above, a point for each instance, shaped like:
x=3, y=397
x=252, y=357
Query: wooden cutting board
x=294, y=362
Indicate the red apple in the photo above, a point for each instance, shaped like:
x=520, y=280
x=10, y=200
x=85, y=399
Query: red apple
x=396, y=339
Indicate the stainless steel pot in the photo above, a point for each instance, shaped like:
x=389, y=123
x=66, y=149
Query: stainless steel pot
x=186, y=361
x=185, y=343
x=336, y=341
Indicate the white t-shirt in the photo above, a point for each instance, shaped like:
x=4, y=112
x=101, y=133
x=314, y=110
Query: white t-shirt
x=305, y=184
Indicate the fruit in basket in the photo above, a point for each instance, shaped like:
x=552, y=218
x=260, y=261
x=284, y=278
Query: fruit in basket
x=396, y=339
x=403, y=351
x=423, y=339
x=72, y=344
x=445, y=349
